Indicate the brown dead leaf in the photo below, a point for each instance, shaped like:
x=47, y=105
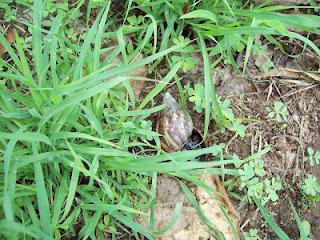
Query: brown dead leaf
x=10, y=37
x=285, y=2
x=290, y=73
x=306, y=75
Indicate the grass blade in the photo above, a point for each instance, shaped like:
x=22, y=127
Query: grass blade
x=98, y=39
x=303, y=235
x=42, y=197
x=26, y=136
x=9, y=181
x=160, y=86
x=37, y=40
x=73, y=183
x=11, y=227
x=273, y=225
x=200, y=13
x=130, y=223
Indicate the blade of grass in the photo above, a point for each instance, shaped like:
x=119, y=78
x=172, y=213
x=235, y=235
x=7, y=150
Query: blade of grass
x=164, y=45
x=37, y=45
x=273, y=225
x=152, y=201
x=94, y=122
x=305, y=40
x=210, y=92
x=135, y=113
x=52, y=48
x=91, y=226
x=155, y=31
x=127, y=11
x=32, y=212
x=11, y=226
x=41, y=157
x=42, y=197
x=98, y=39
x=130, y=223
x=110, y=208
x=87, y=173
x=59, y=198
x=160, y=86
x=26, y=136
x=200, y=13
x=73, y=183
x=9, y=181
x=84, y=49
x=66, y=135
x=37, y=96
x=160, y=167
x=182, y=155
x=228, y=7
x=147, y=36
x=303, y=235
x=249, y=46
x=10, y=50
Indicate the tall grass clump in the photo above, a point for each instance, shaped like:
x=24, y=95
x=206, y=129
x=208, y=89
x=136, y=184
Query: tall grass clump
x=77, y=151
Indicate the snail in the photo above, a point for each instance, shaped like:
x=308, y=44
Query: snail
x=174, y=124
x=176, y=127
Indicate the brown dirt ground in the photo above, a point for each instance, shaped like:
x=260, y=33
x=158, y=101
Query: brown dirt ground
x=250, y=97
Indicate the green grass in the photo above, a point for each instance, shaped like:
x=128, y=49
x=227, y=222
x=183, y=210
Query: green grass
x=69, y=121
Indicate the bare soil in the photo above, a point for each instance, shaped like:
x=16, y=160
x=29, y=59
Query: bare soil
x=250, y=96
x=288, y=145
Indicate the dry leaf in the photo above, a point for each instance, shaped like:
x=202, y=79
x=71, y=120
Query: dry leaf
x=305, y=75
x=10, y=37
x=291, y=74
x=285, y=2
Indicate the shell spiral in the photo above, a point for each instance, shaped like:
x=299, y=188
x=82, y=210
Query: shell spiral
x=174, y=124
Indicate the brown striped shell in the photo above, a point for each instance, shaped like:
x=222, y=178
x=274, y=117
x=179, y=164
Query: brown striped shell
x=174, y=125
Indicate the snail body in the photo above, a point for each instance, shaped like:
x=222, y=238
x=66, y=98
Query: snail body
x=174, y=124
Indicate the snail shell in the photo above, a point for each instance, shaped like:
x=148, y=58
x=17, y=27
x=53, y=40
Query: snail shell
x=174, y=125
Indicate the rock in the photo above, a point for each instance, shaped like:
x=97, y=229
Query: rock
x=230, y=84
x=189, y=226
x=285, y=152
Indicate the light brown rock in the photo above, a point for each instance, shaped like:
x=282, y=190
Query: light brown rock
x=189, y=226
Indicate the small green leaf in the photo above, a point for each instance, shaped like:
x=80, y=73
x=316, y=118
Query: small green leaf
x=306, y=227
x=202, y=14
x=310, y=151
